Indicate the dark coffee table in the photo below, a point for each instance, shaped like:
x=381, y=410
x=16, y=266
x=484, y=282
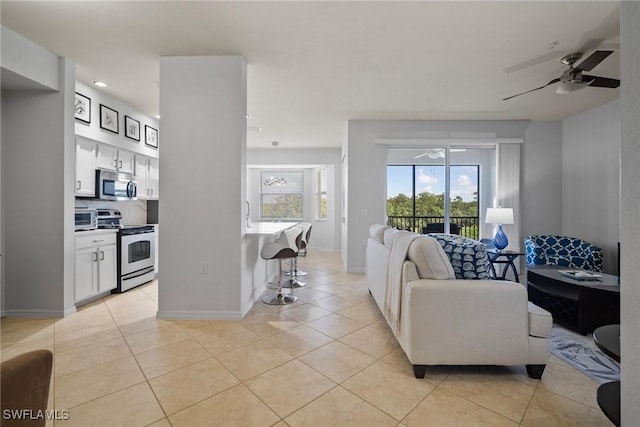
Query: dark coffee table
x=607, y=338
x=581, y=305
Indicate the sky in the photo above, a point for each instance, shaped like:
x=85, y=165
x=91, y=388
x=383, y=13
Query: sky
x=464, y=180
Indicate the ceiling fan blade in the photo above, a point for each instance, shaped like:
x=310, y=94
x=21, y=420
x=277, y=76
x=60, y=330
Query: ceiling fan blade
x=601, y=81
x=594, y=59
x=535, y=61
x=538, y=88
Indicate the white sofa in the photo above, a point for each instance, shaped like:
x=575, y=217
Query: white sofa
x=447, y=321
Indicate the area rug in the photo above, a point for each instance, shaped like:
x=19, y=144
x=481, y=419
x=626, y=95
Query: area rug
x=581, y=353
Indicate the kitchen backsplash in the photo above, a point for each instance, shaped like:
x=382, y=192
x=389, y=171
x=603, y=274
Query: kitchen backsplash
x=134, y=212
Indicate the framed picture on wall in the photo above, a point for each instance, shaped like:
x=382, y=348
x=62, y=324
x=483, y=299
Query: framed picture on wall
x=83, y=108
x=109, y=119
x=131, y=128
x=150, y=136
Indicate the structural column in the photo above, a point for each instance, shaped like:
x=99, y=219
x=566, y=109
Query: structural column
x=202, y=137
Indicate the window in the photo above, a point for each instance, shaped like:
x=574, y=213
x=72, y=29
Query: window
x=281, y=194
x=321, y=194
x=437, y=189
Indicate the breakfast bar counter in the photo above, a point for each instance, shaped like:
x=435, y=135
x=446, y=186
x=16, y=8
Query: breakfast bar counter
x=268, y=228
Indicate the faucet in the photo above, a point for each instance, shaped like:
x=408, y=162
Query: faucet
x=248, y=216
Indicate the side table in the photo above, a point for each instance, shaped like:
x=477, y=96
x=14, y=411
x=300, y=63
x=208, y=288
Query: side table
x=607, y=338
x=505, y=257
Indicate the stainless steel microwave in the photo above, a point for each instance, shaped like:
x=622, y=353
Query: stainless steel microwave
x=86, y=219
x=115, y=186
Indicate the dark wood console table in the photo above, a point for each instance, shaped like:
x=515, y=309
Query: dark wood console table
x=581, y=305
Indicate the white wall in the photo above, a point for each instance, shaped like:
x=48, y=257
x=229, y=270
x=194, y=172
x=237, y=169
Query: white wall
x=591, y=179
x=38, y=181
x=24, y=60
x=203, y=174
x=325, y=234
x=541, y=179
x=366, y=174
x=630, y=210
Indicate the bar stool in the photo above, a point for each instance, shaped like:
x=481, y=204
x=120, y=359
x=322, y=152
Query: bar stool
x=305, y=239
x=302, y=250
x=293, y=282
x=280, y=250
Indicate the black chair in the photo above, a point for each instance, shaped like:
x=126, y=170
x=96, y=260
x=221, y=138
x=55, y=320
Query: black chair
x=438, y=227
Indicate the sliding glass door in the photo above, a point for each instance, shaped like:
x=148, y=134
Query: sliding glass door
x=439, y=190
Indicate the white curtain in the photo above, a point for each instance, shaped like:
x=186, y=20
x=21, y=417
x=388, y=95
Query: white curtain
x=508, y=190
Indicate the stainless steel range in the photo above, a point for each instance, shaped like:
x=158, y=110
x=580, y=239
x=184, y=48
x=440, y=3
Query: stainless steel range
x=136, y=250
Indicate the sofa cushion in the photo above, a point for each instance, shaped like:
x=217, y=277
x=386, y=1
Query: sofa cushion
x=468, y=257
x=430, y=259
x=540, y=321
x=376, y=231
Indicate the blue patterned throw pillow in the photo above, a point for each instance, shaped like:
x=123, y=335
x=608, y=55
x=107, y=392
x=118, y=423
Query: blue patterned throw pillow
x=468, y=257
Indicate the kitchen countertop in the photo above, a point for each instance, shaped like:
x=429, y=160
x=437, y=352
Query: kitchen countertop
x=98, y=231
x=268, y=228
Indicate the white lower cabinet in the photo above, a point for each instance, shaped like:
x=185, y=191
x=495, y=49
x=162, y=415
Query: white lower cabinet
x=96, y=269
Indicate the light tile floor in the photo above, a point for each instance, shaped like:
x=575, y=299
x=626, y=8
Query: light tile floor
x=327, y=360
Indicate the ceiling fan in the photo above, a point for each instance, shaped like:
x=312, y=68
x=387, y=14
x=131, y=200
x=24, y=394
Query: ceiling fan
x=572, y=78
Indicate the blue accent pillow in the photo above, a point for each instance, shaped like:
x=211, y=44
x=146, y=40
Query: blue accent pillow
x=468, y=257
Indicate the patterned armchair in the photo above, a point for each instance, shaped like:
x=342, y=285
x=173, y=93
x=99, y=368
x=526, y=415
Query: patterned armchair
x=563, y=251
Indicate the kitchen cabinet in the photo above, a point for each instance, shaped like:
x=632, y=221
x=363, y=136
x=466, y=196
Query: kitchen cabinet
x=148, y=176
x=85, y=167
x=113, y=159
x=96, y=268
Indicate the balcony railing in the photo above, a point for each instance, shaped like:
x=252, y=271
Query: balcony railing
x=468, y=225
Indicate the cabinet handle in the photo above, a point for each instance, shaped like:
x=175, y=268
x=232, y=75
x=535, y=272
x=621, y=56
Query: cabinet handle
x=120, y=164
x=101, y=255
x=78, y=185
x=96, y=241
x=152, y=191
x=115, y=163
x=95, y=257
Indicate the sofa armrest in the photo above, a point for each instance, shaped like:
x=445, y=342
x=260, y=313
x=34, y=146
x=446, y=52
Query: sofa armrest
x=534, y=253
x=457, y=322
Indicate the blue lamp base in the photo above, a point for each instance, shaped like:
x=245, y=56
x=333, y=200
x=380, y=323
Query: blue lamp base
x=500, y=240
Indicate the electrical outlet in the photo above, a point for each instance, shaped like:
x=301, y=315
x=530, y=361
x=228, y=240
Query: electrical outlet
x=204, y=267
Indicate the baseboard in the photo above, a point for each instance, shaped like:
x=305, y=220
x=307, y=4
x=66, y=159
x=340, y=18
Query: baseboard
x=356, y=270
x=38, y=313
x=199, y=314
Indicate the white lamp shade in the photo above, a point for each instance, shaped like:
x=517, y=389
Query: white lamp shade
x=499, y=216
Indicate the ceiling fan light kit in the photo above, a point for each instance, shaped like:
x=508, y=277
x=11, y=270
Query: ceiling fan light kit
x=572, y=79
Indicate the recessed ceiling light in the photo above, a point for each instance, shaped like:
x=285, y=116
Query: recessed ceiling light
x=254, y=129
x=248, y=116
x=99, y=83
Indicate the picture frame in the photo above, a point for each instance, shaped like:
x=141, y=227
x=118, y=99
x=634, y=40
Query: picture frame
x=82, y=108
x=131, y=128
x=109, y=119
x=150, y=136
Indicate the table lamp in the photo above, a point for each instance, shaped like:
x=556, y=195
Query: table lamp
x=499, y=216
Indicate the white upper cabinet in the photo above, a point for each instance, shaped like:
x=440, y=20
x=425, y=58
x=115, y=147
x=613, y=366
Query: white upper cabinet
x=148, y=177
x=153, y=179
x=110, y=158
x=85, y=167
